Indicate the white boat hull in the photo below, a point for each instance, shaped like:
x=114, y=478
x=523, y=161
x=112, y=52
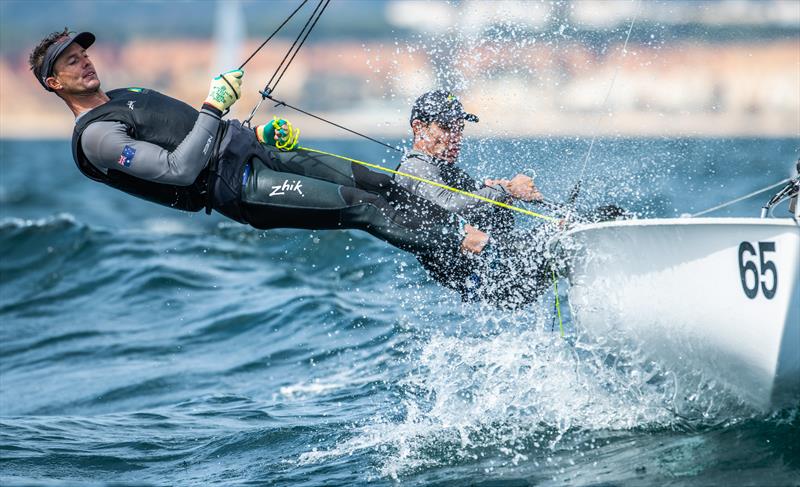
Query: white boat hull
x=719, y=296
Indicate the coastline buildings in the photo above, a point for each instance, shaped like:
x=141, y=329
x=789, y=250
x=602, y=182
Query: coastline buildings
x=528, y=69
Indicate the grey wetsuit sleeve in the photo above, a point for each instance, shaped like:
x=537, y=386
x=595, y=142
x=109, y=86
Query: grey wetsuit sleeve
x=103, y=144
x=449, y=200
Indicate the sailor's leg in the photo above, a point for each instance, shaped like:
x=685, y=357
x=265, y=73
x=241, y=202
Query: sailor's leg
x=512, y=284
x=272, y=199
x=240, y=144
x=325, y=167
x=518, y=272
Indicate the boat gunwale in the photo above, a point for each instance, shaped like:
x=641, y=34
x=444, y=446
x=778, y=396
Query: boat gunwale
x=651, y=222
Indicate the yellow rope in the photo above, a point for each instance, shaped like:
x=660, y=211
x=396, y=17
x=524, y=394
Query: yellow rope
x=287, y=141
x=439, y=185
x=558, y=304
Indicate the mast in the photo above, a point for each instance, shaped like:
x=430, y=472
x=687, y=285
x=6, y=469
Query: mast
x=229, y=34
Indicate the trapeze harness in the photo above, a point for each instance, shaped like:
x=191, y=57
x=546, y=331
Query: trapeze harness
x=159, y=119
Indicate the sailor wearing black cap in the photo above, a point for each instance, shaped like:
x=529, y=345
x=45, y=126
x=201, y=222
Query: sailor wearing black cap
x=437, y=120
x=511, y=273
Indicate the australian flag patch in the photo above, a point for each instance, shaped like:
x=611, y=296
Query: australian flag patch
x=126, y=159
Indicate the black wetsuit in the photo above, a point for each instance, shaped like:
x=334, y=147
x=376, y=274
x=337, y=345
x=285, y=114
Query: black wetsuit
x=509, y=273
x=249, y=182
x=300, y=189
x=512, y=270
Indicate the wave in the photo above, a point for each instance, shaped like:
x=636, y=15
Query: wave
x=184, y=350
x=516, y=392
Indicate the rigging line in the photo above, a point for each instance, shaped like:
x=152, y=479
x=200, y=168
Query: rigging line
x=316, y=15
x=741, y=198
x=551, y=205
x=273, y=34
x=576, y=190
x=267, y=89
x=283, y=103
x=312, y=20
x=300, y=45
x=292, y=47
x=438, y=185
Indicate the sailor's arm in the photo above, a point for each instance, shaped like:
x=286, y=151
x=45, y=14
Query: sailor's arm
x=445, y=198
x=456, y=202
x=107, y=145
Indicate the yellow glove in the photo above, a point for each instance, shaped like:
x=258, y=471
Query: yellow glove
x=279, y=133
x=225, y=90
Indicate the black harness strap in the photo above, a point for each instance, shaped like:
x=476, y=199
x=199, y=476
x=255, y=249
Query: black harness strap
x=213, y=164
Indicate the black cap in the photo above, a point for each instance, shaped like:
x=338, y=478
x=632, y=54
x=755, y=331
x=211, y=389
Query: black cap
x=441, y=107
x=84, y=39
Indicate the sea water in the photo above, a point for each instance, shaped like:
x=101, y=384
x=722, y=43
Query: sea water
x=144, y=346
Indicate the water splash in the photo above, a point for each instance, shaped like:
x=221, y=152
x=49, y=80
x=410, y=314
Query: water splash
x=503, y=394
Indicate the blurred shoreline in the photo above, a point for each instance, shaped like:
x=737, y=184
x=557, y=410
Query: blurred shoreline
x=528, y=69
x=679, y=90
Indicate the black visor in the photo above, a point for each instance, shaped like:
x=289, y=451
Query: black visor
x=84, y=39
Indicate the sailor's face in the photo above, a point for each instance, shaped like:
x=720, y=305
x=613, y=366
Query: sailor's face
x=445, y=141
x=74, y=72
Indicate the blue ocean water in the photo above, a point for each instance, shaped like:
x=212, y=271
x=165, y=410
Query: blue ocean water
x=143, y=346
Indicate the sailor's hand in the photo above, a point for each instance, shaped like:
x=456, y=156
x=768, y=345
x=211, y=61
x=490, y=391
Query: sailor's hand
x=225, y=90
x=496, y=182
x=522, y=188
x=474, y=240
x=279, y=133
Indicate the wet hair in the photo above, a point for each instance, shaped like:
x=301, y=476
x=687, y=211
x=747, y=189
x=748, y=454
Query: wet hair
x=37, y=55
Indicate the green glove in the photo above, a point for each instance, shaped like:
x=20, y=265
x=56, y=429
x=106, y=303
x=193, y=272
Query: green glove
x=279, y=133
x=225, y=90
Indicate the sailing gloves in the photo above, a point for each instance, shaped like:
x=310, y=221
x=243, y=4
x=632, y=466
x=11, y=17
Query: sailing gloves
x=279, y=133
x=225, y=90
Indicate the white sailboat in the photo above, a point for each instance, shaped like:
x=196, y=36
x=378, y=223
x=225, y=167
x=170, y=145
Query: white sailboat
x=718, y=296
